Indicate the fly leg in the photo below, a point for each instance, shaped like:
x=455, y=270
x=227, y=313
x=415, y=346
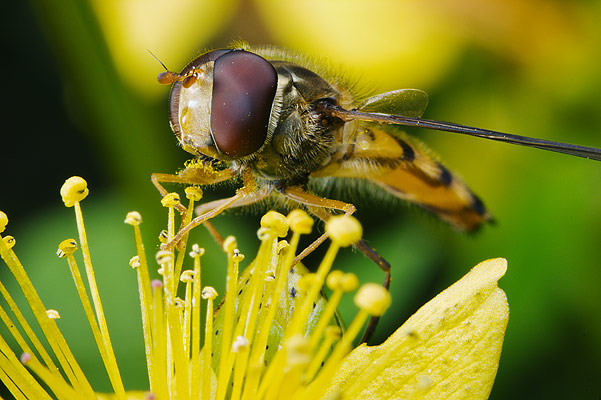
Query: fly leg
x=320, y=207
x=373, y=255
x=196, y=174
x=316, y=205
x=247, y=194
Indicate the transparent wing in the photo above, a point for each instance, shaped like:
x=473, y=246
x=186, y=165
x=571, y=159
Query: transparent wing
x=406, y=102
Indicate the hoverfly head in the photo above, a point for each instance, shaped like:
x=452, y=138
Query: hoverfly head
x=221, y=103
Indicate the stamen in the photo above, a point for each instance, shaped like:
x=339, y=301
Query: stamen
x=331, y=335
x=3, y=221
x=59, y=387
x=300, y=223
x=231, y=288
x=177, y=368
x=170, y=200
x=196, y=253
x=193, y=193
x=209, y=294
x=249, y=306
x=73, y=191
x=9, y=241
x=298, y=356
x=160, y=356
x=21, y=382
x=371, y=297
x=343, y=231
x=55, y=338
x=66, y=249
x=339, y=282
x=140, y=263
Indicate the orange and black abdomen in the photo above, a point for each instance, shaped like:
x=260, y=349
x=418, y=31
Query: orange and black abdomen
x=386, y=157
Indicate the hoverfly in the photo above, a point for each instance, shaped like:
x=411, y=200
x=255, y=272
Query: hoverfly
x=268, y=117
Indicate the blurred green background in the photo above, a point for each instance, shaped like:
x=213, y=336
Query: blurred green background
x=81, y=98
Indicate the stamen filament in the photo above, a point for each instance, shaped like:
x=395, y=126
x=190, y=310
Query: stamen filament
x=319, y=385
x=191, y=194
x=159, y=347
x=20, y=382
x=316, y=362
x=229, y=311
x=58, y=386
x=87, y=306
x=299, y=318
x=51, y=332
x=266, y=320
x=176, y=364
x=249, y=308
x=187, y=320
x=145, y=301
x=27, y=329
x=325, y=317
x=210, y=294
x=196, y=326
x=111, y=362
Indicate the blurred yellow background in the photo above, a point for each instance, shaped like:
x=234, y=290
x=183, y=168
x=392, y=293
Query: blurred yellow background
x=83, y=100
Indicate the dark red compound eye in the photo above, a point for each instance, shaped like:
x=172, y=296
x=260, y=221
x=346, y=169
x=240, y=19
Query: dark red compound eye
x=244, y=86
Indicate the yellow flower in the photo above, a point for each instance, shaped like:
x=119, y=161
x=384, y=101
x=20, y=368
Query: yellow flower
x=274, y=335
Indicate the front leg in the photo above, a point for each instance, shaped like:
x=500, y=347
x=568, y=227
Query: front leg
x=249, y=193
x=196, y=173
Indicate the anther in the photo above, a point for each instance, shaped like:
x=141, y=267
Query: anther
x=282, y=246
x=300, y=222
x=344, y=230
x=237, y=256
x=133, y=218
x=179, y=303
x=275, y=221
x=208, y=292
x=230, y=244
x=332, y=332
x=197, y=251
x=74, y=190
x=9, y=241
x=264, y=233
x=25, y=358
x=240, y=344
x=134, y=262
x=170, y=200
x=193, y=193
x=164, y=256
x=66, y=247
x=3, y=221
x=298, y=350
x=373, y=298
x=164, y=236
x=187, y=276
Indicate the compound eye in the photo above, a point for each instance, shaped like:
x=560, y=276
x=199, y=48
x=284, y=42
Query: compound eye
x=244, y=86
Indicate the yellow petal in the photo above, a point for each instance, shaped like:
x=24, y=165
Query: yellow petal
x=450, y=348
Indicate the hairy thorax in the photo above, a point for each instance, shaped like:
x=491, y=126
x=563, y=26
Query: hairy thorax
x=303, y=140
